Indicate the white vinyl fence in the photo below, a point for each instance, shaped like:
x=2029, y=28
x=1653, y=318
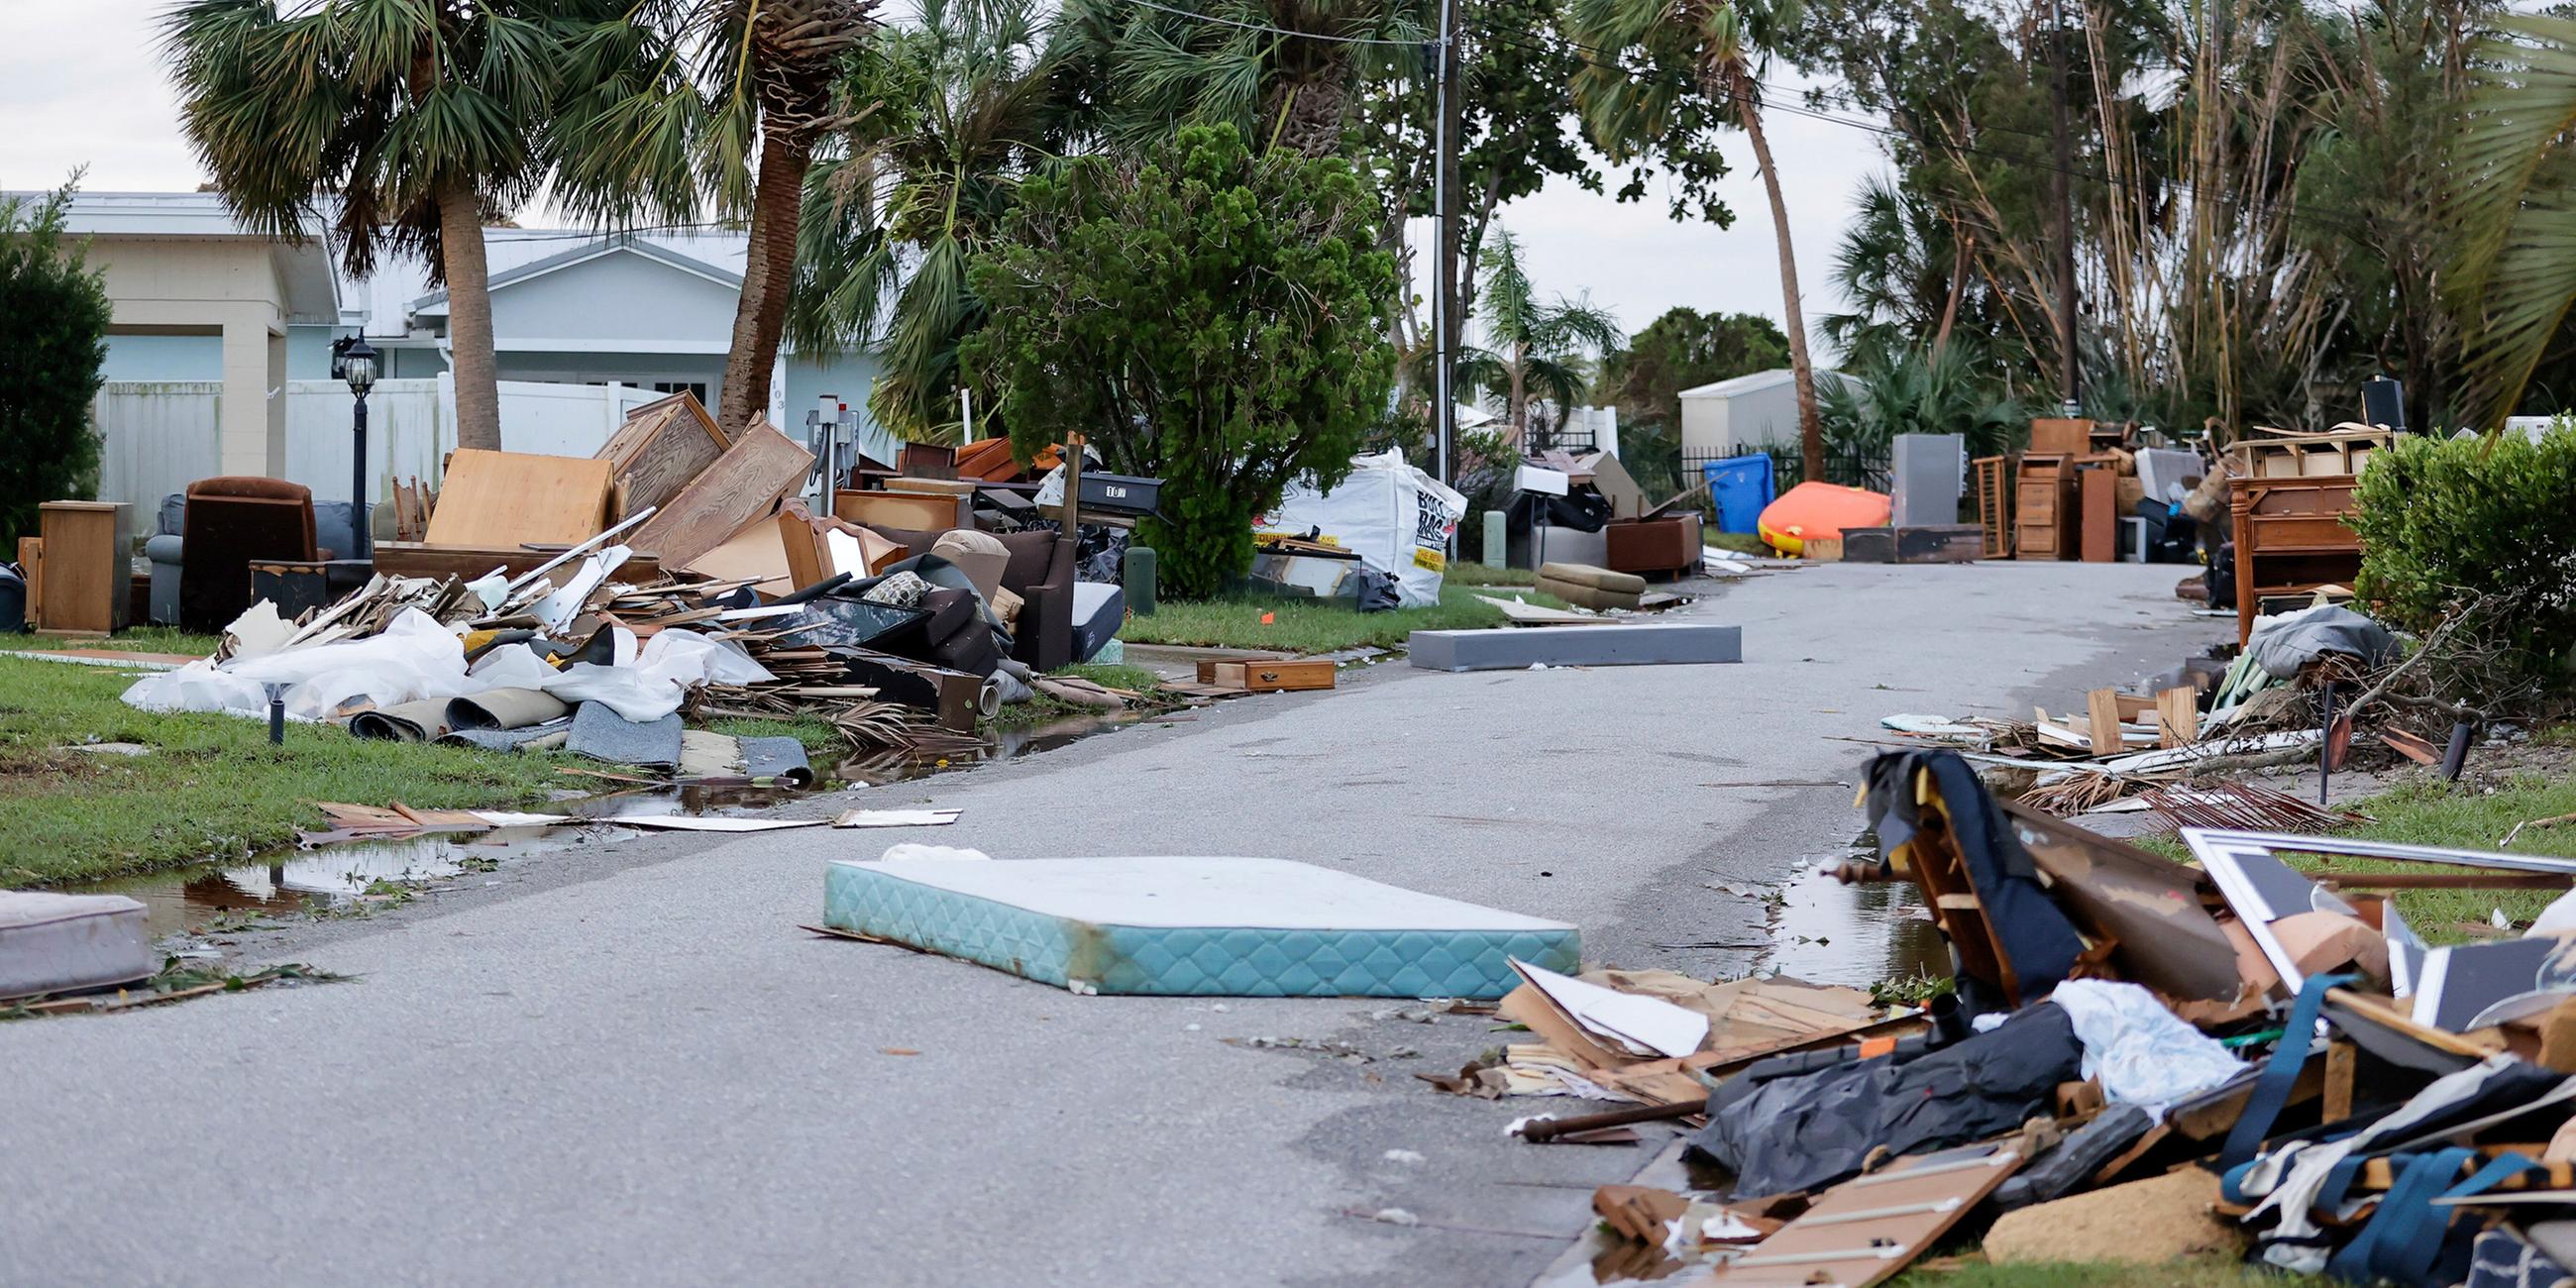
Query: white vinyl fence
x=161, y=435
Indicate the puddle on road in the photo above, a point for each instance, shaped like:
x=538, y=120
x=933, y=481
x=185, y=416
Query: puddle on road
x=289, y=880
x=1825, y=932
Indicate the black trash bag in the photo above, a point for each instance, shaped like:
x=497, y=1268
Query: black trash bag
x=1374, y=587
x=1801, y=1134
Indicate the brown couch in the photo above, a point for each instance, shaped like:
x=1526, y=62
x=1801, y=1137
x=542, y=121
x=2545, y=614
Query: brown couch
x=1040, y=573
x=231, y=521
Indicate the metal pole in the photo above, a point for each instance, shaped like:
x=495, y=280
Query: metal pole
x=2061, y=190
x=362, y=533
x=1444, y=314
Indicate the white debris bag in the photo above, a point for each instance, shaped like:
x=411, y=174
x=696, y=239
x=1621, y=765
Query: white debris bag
x=1396, y=518
x=2141, y=1053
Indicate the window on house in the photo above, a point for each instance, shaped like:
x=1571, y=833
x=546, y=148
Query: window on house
x=696, y=387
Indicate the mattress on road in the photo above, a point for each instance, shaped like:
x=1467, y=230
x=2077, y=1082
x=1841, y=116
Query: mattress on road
x=1207, y=927
x=59, y=943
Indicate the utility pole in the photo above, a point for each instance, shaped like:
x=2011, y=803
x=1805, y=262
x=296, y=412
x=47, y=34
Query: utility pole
x=2062, y=189
x=1444, y=187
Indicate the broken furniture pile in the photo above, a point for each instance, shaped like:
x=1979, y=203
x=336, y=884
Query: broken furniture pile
x=2137, y=1060
x=593, y=603
x=2090, y=491
x=2320, y=685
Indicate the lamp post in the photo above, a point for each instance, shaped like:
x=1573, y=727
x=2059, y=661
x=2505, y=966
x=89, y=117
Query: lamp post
x=358, y=367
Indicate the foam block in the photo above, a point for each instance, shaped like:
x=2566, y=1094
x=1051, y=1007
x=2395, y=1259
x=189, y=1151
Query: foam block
x=1642, y=644
x=1209, y=927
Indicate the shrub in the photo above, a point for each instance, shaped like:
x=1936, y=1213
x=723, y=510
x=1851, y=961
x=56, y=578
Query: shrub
x=53, y=345
x=1206, y=315
x=2445, y=523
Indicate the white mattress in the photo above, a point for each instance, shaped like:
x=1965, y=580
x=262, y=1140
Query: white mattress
x=56, y=943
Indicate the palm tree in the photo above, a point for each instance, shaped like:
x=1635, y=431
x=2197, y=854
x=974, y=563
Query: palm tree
x=1535, y=345
x=2514, y=279
x=964, y=107
x=1228, y=62
x=674, y=99
x=409, y=120
x=1725, y=43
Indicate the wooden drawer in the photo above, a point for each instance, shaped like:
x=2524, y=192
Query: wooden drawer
x=1267, y=677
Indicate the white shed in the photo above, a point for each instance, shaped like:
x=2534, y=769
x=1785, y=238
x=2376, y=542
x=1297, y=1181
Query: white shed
x=1758, y=410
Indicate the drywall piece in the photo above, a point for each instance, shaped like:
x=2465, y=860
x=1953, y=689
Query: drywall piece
x=508, y=499
x=1630, y=644
x=1217, y=927
x=1644, y=1026
x=897, y=817
x=53, y=943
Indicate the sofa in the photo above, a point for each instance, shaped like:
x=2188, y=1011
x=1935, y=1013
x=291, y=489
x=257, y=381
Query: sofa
x=1040, y=572
x=167, y=548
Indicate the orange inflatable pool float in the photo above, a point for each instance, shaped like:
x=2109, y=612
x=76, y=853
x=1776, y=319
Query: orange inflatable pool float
x=1819, y=510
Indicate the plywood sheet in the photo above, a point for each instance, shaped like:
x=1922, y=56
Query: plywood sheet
x=85, y=578
x=759, y=552
x=502, y=499
x=744, y=484
x=660, y=448
x=1870, y=1227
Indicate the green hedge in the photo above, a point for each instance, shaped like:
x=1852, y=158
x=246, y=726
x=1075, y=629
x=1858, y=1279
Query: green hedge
x=2446, y=521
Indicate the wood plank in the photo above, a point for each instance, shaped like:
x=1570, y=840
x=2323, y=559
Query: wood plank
x=2102, y=711
x=662, y=446
x=743, y=485
x=500, y=499
x=2342, y=1059
x=2101, y=506
x=31, y=564
x=411, y=559
x=2177, y=717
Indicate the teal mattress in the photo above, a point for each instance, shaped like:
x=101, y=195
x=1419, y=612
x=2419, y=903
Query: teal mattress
x=1203, y=927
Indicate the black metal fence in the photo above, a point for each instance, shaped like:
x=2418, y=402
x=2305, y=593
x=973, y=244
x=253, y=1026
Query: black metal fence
x=1788, y=468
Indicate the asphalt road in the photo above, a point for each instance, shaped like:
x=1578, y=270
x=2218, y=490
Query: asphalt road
x=625, y=1064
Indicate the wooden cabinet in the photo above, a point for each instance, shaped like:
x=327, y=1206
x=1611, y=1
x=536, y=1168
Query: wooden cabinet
x=2290, y=539
x=2044, y=508
x=2100, y=488
x=88, y=554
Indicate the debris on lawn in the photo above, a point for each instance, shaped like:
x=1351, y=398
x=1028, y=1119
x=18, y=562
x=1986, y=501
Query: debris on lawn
x=2139, y=1059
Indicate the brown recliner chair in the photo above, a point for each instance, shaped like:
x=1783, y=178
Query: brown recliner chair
x=232, y=521
x=1040, y=573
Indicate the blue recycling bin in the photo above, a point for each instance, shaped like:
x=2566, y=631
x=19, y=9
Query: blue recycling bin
x=1740, y=486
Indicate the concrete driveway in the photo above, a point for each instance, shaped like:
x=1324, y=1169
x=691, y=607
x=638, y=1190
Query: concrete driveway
x=625, y=1063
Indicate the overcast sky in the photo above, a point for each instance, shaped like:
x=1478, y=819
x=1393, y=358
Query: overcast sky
x=81, y=85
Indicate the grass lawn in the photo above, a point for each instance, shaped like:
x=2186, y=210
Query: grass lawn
x=141, y=639
x=2455, y=816
x=212, y=786
x=1742, y=543
x=1476, y=574
x=2461, y=817
x=1316, y=625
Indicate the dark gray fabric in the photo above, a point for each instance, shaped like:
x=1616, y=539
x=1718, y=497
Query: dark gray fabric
x=2282, y=645
x=602, y=734
x=551, y=734
x=1800, y=1134
x=781, y=758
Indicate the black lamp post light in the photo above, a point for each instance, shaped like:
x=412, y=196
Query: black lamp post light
x=354, y=360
